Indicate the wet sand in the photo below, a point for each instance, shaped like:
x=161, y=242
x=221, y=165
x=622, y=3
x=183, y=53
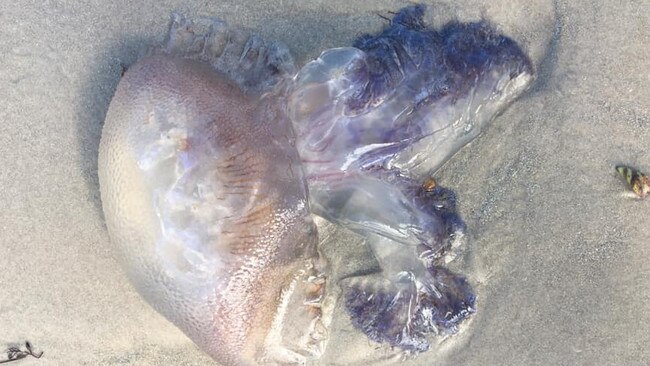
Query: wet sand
x=557, y=254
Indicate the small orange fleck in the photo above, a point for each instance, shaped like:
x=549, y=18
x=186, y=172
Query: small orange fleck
x=314, y=289
x=314, y=311
x=429, y=184
x=183, y=144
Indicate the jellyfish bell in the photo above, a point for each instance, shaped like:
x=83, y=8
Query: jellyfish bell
x=205, y=200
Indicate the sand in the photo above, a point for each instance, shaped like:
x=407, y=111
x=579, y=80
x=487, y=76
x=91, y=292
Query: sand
x=556, y=252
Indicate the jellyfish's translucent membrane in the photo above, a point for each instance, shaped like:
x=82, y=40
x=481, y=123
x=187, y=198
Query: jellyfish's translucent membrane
x=214, y=155
x=205, y=198
x=372, y=122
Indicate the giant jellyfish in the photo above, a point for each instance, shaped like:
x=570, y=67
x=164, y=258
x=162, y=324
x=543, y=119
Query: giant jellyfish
x=217, y=151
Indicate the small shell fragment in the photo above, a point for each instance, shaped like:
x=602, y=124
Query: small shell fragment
x=429, y=184
x=638, y=182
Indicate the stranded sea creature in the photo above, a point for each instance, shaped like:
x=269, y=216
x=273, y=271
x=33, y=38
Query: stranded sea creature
x=214, y=155
x=372, y=122
x=638, y=182
x=204, y=195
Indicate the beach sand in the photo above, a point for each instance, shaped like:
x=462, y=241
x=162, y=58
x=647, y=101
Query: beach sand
x=557, y=254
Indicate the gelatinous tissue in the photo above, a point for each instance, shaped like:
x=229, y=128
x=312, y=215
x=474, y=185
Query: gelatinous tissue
x=216, y=152
x=372, y=122
x=205, y=197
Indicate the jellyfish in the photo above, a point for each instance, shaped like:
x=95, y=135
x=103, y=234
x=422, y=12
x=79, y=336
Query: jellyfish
x=372, y=123
x=217, y=151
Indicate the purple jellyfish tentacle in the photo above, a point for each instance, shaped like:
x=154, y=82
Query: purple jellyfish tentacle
x=372, y=123
x=407, y=302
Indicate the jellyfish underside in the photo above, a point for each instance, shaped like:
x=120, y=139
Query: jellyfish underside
x=372, y=122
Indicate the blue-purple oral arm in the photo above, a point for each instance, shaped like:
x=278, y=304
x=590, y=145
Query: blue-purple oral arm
x=372, y=122
x=398, y=103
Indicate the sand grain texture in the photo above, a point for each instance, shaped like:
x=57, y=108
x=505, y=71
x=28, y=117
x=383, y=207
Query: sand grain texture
x=558, y=256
